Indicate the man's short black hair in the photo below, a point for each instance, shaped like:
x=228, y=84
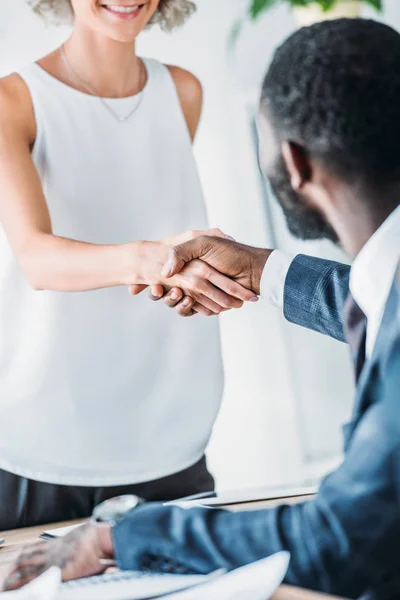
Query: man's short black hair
x=334, y=87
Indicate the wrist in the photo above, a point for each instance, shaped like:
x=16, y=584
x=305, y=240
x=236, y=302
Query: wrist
x=259, y=259
x=105, y=540
x=144, y=261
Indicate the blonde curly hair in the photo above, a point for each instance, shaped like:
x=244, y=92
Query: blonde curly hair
x=169, y=15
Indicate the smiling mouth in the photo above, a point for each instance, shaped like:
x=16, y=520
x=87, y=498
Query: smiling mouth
x=124, y=12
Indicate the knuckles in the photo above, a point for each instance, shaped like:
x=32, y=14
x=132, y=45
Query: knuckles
x=202, y=270
x=174, y=254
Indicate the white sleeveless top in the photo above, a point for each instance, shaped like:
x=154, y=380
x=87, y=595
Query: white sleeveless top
x=99, y=388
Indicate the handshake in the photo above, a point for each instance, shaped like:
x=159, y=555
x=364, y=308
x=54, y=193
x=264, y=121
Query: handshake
x=203, y=272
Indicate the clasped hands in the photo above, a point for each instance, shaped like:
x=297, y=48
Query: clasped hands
x=204, y=272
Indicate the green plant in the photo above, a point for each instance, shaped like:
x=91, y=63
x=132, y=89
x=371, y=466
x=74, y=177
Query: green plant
x=258, y=6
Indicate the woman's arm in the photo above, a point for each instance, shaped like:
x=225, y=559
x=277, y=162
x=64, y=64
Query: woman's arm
x=48, y=261
x=54, y=263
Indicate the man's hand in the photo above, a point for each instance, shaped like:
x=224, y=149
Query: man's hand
x=244, y=264
x=206, y=290
x=157, y=291
x=81, y=553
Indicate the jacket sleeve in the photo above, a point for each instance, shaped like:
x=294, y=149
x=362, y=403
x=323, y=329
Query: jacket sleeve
x=343, y=542
x=314, y=294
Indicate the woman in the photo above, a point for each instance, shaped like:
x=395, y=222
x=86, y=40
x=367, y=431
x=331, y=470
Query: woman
x=99, y=394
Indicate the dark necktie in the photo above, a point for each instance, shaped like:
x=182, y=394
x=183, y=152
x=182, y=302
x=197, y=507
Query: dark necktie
x=355, y=327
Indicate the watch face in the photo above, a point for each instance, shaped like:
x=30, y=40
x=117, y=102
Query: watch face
x=114, y=509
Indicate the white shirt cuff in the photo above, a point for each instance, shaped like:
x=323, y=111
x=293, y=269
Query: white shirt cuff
x=272, y=284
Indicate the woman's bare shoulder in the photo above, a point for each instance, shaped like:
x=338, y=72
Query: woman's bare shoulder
x=187, y=84
x=190, y=94
x=16, y=110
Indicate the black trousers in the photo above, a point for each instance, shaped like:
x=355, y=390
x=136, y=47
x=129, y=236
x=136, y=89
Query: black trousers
x=25, y=502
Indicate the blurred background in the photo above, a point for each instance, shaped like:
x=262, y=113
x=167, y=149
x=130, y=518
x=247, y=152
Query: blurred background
x=288, y=390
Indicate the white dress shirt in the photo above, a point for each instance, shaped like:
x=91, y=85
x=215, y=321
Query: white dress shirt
x=371, y=276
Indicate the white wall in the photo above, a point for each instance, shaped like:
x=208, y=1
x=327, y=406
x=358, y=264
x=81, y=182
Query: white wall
x=284, y=401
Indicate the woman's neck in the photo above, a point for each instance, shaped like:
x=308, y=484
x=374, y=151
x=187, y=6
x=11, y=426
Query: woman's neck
x=109, y=67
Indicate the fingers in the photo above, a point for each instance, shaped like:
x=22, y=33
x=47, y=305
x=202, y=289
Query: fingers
x=173, y=297
x=156, y=292
x=231, y=288
x=213, y=304
x=217, y=288
x=29, y=565
x=202, y=310
x=206, y=312
x=136, y=289
x=19, y=578
x=185, y=307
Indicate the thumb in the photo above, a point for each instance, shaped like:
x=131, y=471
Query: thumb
x=180, y=255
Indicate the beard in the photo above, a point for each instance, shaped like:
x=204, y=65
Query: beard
x=303, y=222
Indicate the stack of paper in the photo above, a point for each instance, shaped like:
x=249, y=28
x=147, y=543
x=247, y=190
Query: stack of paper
x=257, y=581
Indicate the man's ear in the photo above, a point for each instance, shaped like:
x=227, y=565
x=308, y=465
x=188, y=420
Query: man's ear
x=297, y=164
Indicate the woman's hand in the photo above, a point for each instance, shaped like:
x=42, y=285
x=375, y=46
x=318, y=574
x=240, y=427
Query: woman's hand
x=185, y=306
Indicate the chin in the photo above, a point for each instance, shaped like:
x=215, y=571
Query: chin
x=125, y=28
x=116, y=33
x=120, y=36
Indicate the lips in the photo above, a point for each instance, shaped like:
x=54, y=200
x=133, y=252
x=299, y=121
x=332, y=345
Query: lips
x=124, y=11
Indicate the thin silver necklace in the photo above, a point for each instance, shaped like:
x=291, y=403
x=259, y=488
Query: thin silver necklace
x=88, y=88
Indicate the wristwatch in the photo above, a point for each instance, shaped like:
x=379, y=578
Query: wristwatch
x=113, y=510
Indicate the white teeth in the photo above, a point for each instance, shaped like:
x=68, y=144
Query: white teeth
x=123, y=9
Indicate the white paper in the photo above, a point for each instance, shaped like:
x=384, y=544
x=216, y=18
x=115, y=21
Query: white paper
x=126, y=585
x=62, y=531
x=44, y=587
x=257, y=581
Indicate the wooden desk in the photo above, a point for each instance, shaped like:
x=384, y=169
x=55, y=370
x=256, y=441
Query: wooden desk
x=18, y=538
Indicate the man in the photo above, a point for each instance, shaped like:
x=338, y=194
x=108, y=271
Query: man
x=330, y=127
